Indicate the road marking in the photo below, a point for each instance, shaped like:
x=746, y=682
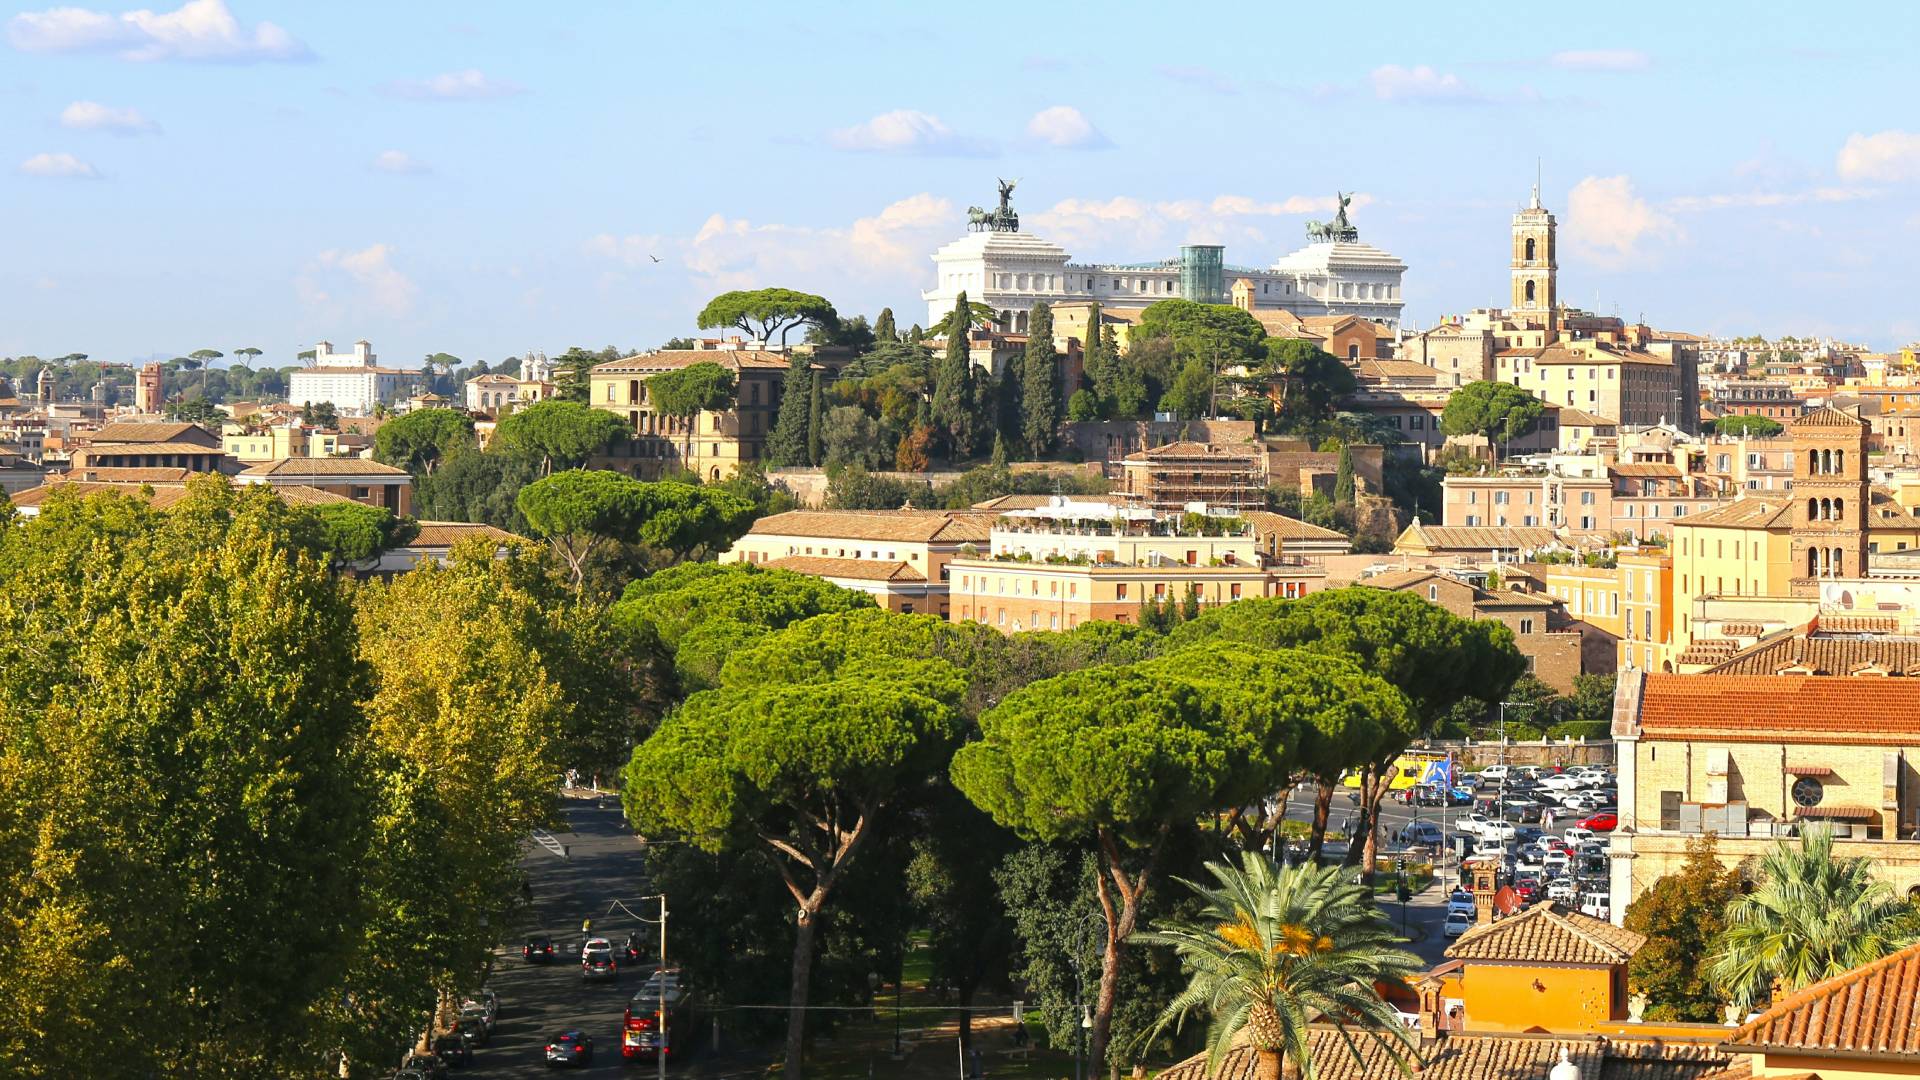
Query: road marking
x=545, y=839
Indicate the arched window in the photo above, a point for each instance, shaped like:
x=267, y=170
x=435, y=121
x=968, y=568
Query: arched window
x=1529, y=259
x=1839, y=510
x=1813, y=562
x=1529, y=284
x=1839, y=461
x=1813, y=509
x=1837, y=565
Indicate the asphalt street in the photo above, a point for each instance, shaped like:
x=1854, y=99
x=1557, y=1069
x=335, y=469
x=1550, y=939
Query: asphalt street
x=537, y=1001
x=602, y=861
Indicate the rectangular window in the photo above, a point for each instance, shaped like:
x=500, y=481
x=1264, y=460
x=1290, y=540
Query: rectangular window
x=1526, y=626
x=1234, y=590
x=1120, y=591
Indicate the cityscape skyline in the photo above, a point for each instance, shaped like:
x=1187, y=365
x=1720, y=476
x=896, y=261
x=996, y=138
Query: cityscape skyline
x=468, y=181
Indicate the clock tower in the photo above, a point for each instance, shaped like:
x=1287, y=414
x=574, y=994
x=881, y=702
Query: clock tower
x=1535, y=265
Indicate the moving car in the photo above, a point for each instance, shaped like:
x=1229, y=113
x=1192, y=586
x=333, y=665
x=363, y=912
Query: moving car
x=1458, y=923
x=1601, y=821
x=538, y=950
x=1492, y=774
x=1460, y=902
x=571, y=1048
x=1561, y=889
x=1420, y=832
x=597, y=961
x=641, y=1034
x=1557, y=861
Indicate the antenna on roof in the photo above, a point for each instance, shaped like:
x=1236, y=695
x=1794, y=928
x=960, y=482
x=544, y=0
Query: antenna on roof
x=1536, y=183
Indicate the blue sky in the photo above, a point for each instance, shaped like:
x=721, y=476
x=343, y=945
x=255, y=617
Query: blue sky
x=483, y=178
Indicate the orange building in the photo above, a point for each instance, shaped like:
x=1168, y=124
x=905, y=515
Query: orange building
x=1862, y=1025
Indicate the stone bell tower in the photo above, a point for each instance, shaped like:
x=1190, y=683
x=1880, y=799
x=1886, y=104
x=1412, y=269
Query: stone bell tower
x=1535, y=265
x=1831, y=498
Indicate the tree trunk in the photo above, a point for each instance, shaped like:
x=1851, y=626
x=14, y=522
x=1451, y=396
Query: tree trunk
x=1266, y=1064
x=1121, y=921
x=1322, y=810
x=1374, y=785
x=797, y=991
x=966, y=1019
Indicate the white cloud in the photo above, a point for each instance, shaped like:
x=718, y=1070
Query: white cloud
x=1391, y=82
x=365, y=279
x=1601, y=59
x=1612, y=225
x=197, y=30
x=1689, y=203
x=734, y=253
x=1066, y=127
x=468, y=85
x=907, y=131
x=93, y=116
x=58, y=165
x=399, y=161
x=1886, y=155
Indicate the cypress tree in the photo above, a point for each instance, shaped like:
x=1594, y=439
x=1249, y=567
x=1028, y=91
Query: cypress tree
x=997, y=404
x=1343, y=479
x=788, y=443
x=883, y=331
x=1039, y=383
x=816, y=408
x=916, y=335
x=953, y=404
x=1098, y=355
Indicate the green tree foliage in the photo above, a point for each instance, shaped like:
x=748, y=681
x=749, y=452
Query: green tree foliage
x=686, y=620
x=1124, y=756
x=1681, y=915
x=1312, y=381
x=1812, y=915
x=802, y=761
x=481, y=487
x=1747, y=424
x=580, y=511
x=685, y=393
x=883, y=328
x=956, y=850
x=816, y=420
x=1083, y=405
x=1218, y=333
x=1099, y=357
x=572, y=371
x=177, y=830
x=1190, y=397
x=1039, y=384
x=787, y=446
x=560, y=434
x=851, y=437
x=1343, y=478
x=195, y=410
x=853, y=487
x=953, y=409
x=421, y=440
x=353, y=532
x=765, y=312
x=1495, y=410
x=1271, y=950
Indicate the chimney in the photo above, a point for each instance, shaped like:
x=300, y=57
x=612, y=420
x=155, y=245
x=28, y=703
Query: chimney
x=1486, y=881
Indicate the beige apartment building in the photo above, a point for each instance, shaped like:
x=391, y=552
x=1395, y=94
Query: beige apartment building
x=899, y=557
x=1541, y=629
x=711, y=445
x=275, y=442
x=1461, y=354
x=1631, y=386
x=1626, y=603
x=1057, y=566
x=359, y=479
x=1756, y=758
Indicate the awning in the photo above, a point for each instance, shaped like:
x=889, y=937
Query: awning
x=1837, y=813
x=1809, y=770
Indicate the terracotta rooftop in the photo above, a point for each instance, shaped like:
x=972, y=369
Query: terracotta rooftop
x=1796, y=708
x=1177, y=450
x=1571, y=417
x=295, y=468
x=1872, y=1011
x=1813, y=654
x=1748, y=513
x=159, y=496
x=900, y=526
x=1267, y=522
x=1645, y=468
x=129, y=475
x=1474, y=538
x=439, y=534
x=1481, y=1056
x=1826, y=416
x=1015, y=502
x=1548, y=933
x=851, y=569
x=135, y=432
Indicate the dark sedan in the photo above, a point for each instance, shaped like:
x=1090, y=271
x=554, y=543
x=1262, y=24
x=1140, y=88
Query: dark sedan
x=571, y=1048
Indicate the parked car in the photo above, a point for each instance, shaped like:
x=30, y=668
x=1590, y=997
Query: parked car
x=1600, y=821
x=1563, y=782
x=487, y=1000
x=454, y=1048
x=1486, y=847
x=1522, y=810
x=1498, y=830
x=1458, y=923
x=1492, y=774
x=1528, y=862
x=1561, y=889
x=1557, y=861
x=421, y=1067
x=475, y=1023
x=1528, y=888
x=571, y=1048
x=538, y=950
x=1596, y=905
x=598, y=962
x=1576, y=835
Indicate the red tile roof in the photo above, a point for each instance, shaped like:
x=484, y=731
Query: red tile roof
x=1871, y=1011
x=1548, y=934
x=1725, y=707
x=848, y=569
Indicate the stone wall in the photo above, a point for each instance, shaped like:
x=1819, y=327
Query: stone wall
x=1110, y=441
x=1479, y=755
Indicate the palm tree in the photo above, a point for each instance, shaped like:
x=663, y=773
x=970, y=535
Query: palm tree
x=1274, y=950
x=1811, y=917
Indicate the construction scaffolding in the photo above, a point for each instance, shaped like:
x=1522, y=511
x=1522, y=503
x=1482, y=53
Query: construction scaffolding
x=1169, y=478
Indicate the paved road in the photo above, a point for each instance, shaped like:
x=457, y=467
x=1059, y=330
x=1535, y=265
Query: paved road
x=537, y=1001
